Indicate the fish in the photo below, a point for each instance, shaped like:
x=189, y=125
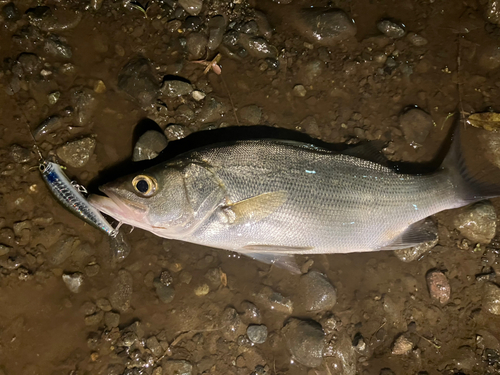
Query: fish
x=270, y=199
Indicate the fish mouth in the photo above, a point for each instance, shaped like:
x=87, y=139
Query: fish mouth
x=119, y=207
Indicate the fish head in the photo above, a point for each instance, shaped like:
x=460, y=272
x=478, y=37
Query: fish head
x=154, y=200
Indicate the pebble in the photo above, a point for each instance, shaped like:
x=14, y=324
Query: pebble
x=73, y=281
x=250, y=114
x=198, y=95
x=251, y=313
x=111, y=319
x=193, y=7
x=491, y=298
x=92, y=270
x=417, y=40
x=258, y=47
x=77, y=153
x=299, y=91
x=10, y=12
x=413, y=253
x=193, y=23
x=196, y=45
x=53, y=97
x=402, y=346
x=20, y=154
x=175, y=88
x=165, y=293
x=477, y=222
x=391, y=29
x=231, y=324
x=416, y=125
x=30, y=62
x=149, y=145
x=310, y=126
x=273, y=300
x=84, y=103
x=177, y=367
x=47, y=126
x=202, y=290
x=99, y=87
x=493, y=11
x=62, y=249
x=4, y=250
x=138, y=80
x=211, y=111
x=317, y=292
x=439, y=287
x=257, y=333
x=120, y=291
x=104, y=304
x=305, y=340
x=153, y=345
x=216, y=28
x=56, y=47
x=325, y=26
x=174, y=132
x=94, y=319
x=89, y=308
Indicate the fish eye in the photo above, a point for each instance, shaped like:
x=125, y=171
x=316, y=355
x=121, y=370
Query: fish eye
x=144, y=185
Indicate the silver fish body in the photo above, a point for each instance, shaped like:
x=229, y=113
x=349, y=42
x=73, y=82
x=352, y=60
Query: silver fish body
x=281, y=197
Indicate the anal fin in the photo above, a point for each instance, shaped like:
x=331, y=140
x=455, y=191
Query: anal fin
x=284, y=261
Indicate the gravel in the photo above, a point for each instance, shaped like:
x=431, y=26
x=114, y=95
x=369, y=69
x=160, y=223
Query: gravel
x=477, y=222
x=317, y=292
x=439, y=287
x=257, y=333
x=120, y=291
x=77, y=153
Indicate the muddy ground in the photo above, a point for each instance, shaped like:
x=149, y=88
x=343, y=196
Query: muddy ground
x=73, y=303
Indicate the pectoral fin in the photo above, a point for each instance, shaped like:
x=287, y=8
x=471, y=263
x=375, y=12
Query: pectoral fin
x=286, y=262
x=254, y=209
x=415, y=234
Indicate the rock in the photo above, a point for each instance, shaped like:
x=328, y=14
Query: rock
x=20, y=154
x=439, y=287
x=202, y=290
x=416, y=125
x=477, y=222
x=250, y=114
x=491, y=298
x=257, y=333
x=216, y=28
x=174, y=132
x=413, y=253
x=166, y=293
x=54, y=97
x=305, y=340
x=176, y=87
x=43, y=18
x=84, y=102
x=56, y=47
x=103, y=304
x=493, y=11
x=10, y=12
x=193, y=7
x=47, y=126
x=402, y=346
x=149, y=145
x=325, y=26
x=120, y=291
x=299, y=91
x=391, y=29
x=138, y=80
x=317, y=292
x=273, y=300
x=193, y=23
x=258, y=47
x=251, y=313
x=77, y=153
x=62, y=249
x=92, y=270
x=211, y=111
x=94, y=319
x=111, y=319
x=155, y=347
x=198, y=95
x=196, y=45
x=177, y=367
x=99, y=87
x=310, y=126
x=30, y=62
x=4, y=250
x=231, y=325
x=73, y=281
x=417, y=40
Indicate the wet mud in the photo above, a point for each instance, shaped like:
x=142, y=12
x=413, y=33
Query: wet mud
x=82, y=75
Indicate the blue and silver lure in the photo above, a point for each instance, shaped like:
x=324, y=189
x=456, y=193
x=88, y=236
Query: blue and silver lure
x=69, y=194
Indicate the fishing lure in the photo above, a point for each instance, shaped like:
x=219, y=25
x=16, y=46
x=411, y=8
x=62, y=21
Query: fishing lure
x=70, y=194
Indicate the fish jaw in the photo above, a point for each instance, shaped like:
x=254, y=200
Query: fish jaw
x=117, y=207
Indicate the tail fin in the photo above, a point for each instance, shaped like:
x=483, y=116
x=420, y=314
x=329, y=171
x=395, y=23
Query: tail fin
x=475, y=167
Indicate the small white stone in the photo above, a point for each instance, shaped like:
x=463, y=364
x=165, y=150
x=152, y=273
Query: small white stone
x=198, y=95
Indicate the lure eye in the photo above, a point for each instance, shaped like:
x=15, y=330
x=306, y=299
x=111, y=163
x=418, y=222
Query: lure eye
x=144, y=185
